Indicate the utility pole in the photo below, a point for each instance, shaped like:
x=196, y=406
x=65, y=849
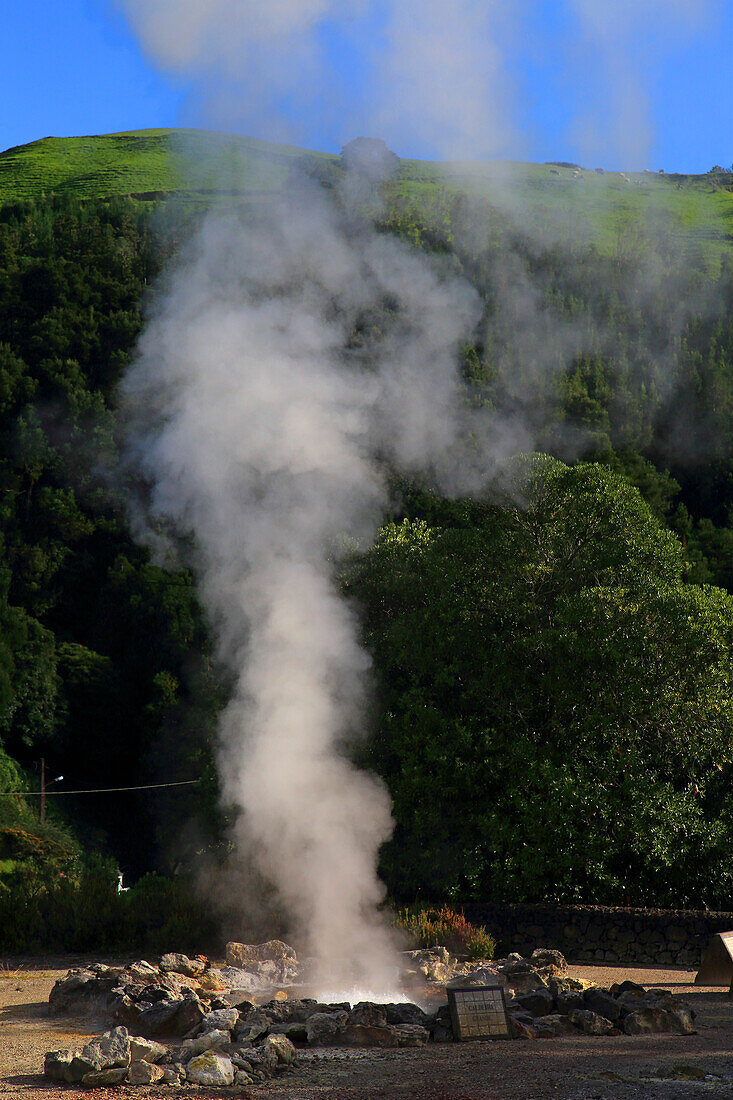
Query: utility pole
x=43, y=789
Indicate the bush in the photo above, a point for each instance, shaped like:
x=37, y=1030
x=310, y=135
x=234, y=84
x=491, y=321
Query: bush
x=87, y=914
x=444, y=927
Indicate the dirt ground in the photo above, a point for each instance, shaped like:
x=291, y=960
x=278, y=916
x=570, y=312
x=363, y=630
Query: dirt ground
x=670, y=1067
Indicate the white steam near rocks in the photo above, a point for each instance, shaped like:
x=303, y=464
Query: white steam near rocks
x=264, y=434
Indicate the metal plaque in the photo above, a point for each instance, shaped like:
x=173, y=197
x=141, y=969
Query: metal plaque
x=478, y=1012
x=716, y=967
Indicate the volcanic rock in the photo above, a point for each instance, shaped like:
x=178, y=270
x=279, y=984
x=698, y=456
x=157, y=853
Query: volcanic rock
x=210, y=1040
x=410, y=1035
x=104, y=1077
x=296, y=1031
x=146, y=1050
x=591, y=1023
x=140, y=973
x=210, y=1069
x=245, y=956
x=406, y=1013
x=172, y=1017
x=567, y=1002
x=222, y=1019
x=57, y=1065
x=254, y=1027
x=284, y=1049
x=181, y=964
x=552, y=1027
x=546, y=957
x=80, y=991
x=539, y=1002
x=323, y=1028
x=600, y=1001
x=521, y=1030
x=368, y=1014
x=144, y=1073
x=108, y=1051
x=361, y=1035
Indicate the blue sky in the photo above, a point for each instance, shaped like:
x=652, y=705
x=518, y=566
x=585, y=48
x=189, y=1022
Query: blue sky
x=75, y=67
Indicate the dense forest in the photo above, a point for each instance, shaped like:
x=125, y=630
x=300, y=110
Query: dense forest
x=553, y=661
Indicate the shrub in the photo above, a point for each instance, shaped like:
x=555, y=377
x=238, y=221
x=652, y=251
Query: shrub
x=444, y=927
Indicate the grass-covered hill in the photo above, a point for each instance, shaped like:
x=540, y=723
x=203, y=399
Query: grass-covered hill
x=201, y=166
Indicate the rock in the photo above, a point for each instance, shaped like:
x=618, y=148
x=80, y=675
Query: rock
x=520, y=1030
x=145, y=1050
x=553, y=1026
x=591, y=1023
x=80, y=1067
x=600, y=1001
x=212, y=980
x=210, y=1069
x=264, y=1057
x=539, y=1002
x=241, y=1077
x=560, y=986
x=140, y=973
x=441, y=1033
x=646, y=1021
x=410, y=1035
x=360, y=1035
x=144, y=1073
x=246, y=955
x=104, y=1077
x=547, y=957
x=110, y=1050
x=296, y=1031
x=628, y=987
x=368, y=1014
x=173, y=1075
x=405, y=1013
x=567, y=1002
x=682, y=1020
x=323, y=1027
x=484, y=975
x=241, y=981
x=284, y=1049
x=650, y=1021
x=151, y=994
x=211, y=1040
x=57, y=1065
x=222, y=1019
x=124, y=1010
x=254, y=1027
x=105, y=972
x=173, y=1017
x=79, y=992
x=521, y=977
x=181, y=964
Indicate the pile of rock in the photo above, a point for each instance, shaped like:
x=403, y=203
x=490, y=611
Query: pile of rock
x=543, y=1002
x=239, y=1045
x=213, y=1058
x=215, y=1037
x=172, y=998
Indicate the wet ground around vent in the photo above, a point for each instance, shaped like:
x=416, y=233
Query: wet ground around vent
x=670, y=1067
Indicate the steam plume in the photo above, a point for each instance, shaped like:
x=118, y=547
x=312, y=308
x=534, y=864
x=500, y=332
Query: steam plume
x=264, y=438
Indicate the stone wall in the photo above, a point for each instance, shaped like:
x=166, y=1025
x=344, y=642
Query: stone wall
x=600, y=934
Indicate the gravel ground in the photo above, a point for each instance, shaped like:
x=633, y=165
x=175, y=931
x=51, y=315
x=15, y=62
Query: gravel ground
x=670, y=1067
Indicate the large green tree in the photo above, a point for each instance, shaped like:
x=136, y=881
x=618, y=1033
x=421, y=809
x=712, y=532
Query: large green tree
x=556, y=703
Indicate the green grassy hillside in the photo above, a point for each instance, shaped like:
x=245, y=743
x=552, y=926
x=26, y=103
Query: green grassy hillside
x=199, y=165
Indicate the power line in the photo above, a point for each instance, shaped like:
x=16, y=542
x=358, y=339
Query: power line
x=103, y=790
